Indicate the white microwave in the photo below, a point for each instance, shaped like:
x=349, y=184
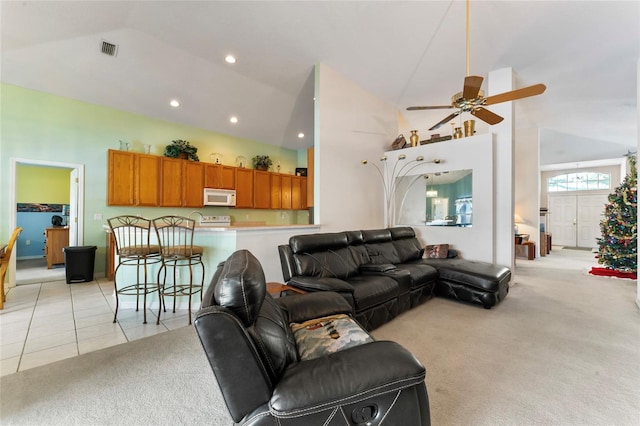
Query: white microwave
x=219, y=197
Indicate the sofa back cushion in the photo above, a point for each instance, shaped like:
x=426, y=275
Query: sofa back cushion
x=323, y=255
x=240, y=287
x=406, y=244
x=380, y=246
x=358, y=248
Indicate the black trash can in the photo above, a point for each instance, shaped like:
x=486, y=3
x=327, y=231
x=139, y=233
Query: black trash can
x=79, y=262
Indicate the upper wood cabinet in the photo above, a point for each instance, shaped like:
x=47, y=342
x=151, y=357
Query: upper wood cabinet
x=192, y=184
x=261, y=189
x=244, y=188
x=120, y=178
x=276, y=191
x=219, y=176
x=147, y=183
x=171, y=182
x=133, y=179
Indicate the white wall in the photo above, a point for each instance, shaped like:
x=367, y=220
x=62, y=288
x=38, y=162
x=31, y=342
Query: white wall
x=475, y=153
x=350, y=125
x=527, y=183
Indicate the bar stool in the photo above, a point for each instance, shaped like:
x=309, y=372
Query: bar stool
x=132, y=239
x=175, y=236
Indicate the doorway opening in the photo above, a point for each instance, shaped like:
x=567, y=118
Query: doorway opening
x=75, y=220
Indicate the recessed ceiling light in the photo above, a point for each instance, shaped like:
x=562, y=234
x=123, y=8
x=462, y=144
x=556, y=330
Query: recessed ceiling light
x=230, y=59
x=174, y=103
x=233, y=119
x=301, y=135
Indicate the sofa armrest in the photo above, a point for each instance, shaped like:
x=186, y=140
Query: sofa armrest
x=345, y=377
x=376, y=268
x=320, y=284
x=314, y=305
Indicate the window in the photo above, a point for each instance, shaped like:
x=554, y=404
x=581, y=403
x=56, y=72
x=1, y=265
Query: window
x=585, y=181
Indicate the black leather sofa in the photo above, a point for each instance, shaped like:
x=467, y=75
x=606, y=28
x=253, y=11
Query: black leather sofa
x=248, y=341
x=382, y=273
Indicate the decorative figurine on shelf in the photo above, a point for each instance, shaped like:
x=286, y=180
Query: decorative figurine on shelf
x=457, y=133
x=181, y=149
x=262, y=162
x=469, y=128
x=414, y=138
x=241, y=161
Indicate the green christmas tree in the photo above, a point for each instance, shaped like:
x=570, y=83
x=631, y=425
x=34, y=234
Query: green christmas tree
x=618, y=244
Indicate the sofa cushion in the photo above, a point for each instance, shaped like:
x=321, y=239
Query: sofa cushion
x=419, y=273
x=333, y=263
x=372, y=290
x=241, y=286
x=480, y=275
x=380, y=247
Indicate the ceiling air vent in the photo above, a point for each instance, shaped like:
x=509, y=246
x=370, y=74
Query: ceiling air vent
x=109, y=48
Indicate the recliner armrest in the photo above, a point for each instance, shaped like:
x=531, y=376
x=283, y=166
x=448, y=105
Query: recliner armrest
x=344, y=377
x=370, y=267
x=314, y=305
x=320, y=284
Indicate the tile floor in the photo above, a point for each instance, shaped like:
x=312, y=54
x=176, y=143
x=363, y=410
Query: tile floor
x=49, y=321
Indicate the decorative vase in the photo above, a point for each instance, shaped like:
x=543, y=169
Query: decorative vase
x=469, y=128
x=414, y=138
x=261, y=167
x=457, y=133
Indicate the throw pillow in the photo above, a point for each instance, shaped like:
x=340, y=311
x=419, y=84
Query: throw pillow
x=321, y=336
x=436, y=251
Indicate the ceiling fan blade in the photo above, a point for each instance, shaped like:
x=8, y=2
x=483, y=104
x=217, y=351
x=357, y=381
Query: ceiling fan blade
x=486, y=115
x=525, y=92
x=472, y=85
x=449, y=118
x=418, y=108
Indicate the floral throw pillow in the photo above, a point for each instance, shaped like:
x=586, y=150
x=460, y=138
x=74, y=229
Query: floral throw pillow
x=436, y=251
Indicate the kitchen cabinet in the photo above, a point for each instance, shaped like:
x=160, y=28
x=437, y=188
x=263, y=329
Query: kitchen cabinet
x=244, y=188
x=132, y=179
x=298, y=193
x=56, y=240
x=220, y=176
x=261, y=189
x=276, y=191
x=285, y=197
x=120, y=178
x=192, y=184
x=147, y=184
x=171, y=182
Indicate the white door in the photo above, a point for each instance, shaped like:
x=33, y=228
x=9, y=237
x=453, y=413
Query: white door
x=590, y=213
x=73, y=208
x=562, y=219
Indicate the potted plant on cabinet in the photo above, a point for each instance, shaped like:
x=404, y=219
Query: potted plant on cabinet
x=181, y=149
x=262, y=162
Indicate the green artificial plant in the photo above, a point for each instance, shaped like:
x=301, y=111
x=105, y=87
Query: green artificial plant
x=262, y=162
x=179, y=146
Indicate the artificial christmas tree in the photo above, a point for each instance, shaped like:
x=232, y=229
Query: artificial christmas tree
x=617, y=248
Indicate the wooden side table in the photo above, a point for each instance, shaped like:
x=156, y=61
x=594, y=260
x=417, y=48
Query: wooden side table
x=274, y=288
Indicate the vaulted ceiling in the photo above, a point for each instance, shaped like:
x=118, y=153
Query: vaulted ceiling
x=405, y=52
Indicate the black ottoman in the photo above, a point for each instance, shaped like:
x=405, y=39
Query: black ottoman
x=471, y=281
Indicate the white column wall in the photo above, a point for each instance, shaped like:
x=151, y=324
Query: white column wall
x=501, y=81
x=350, y=125
x=527, y=183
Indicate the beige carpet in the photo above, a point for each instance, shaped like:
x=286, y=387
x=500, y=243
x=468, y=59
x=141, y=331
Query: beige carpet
x=562, y=349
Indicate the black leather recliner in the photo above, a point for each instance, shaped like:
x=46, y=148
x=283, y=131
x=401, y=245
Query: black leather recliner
x=246, y=336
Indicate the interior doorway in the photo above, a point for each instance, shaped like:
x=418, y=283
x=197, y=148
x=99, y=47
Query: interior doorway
x=76, y=211
x=574, y=220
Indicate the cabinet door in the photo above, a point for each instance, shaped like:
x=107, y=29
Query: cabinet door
x=227, y=177
x=261, y=189
x=147, y=181
x=192, y=184
x=286, y=192
x=171, y=182
x=244, y=188
x=219, y=176
x=120, y=181
x=298, y=193
x=276, y=191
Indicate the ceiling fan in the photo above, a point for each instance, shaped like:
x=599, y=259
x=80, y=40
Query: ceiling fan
x=472, y=99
